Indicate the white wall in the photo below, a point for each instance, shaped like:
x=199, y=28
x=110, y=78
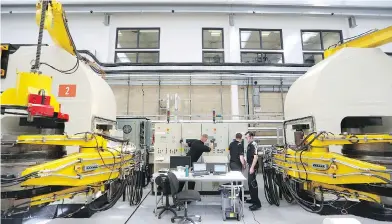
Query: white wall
x=181, y=34
x=88, y=32
x=378, y=3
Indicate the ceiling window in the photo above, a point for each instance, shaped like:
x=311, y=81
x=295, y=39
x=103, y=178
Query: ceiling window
x=213, y=45
x=137, y=57
x=137, y=45
x=261, y=39
x=261, y=46
x=315, y=42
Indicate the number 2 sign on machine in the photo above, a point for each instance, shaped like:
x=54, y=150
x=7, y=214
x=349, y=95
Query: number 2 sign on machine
x=68, y=90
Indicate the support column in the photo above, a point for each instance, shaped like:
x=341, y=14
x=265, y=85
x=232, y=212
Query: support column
x=235, y=112
x=232, y=50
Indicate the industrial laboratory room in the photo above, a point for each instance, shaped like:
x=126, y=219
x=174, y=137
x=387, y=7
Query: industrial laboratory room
x=249, y=112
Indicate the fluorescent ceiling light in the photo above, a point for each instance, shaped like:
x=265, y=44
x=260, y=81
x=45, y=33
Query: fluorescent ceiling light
x=148, y=31
x=265, y=33
x=215, y=33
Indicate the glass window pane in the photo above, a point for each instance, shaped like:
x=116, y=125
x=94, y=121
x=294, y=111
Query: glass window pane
x=274, y=58
x=311, y=41
x=127, y=39
x=250, y=39
x=149, y=39
x=271, y=40
x=212, y=39
x=148, y=57
x=250, y=57
x=213, y=57
x=312, y=58
x=125, y=58
x=330, y=38
x=255, y=57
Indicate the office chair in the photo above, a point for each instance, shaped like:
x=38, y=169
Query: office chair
x=182, y=197
x=163, y=184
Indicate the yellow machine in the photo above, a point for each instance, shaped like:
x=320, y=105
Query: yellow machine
x=99, y=171
x=318, y=168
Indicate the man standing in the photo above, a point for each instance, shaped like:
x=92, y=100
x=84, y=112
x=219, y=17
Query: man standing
x=195, y=152
x=237, y=160
x=236, y=149
x=252, y=160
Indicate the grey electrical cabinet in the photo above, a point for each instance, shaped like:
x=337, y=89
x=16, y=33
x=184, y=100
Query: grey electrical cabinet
x=136, y=130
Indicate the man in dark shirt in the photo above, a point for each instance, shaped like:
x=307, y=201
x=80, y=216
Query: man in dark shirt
x=251, y=159
x=237, y=160
x=195, y=152
x=236, y=149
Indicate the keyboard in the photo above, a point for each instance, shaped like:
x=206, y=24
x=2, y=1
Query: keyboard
x=200, y=173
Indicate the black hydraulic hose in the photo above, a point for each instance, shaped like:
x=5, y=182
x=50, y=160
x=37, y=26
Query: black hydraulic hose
x=303, y=203
x=35, y=67
x=112, y=202
x=270, y=186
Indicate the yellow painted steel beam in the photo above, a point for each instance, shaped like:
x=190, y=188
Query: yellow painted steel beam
x=64, y=194
x=56, y=25
x=348, y=193
x=374, y=39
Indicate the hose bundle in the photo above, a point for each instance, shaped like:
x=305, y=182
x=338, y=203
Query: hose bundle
x=271, y=190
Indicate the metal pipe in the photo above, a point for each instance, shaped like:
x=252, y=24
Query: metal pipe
x=129, y=92
x=265, y=137
x=190, y=116
x=190, y=97
x=263, y=128
x=221, y=98
x=9, y=10
x=281, y=94
x=224, y=121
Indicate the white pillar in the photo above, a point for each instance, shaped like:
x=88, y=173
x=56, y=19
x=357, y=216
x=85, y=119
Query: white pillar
x=235, y=112
x=233, y=55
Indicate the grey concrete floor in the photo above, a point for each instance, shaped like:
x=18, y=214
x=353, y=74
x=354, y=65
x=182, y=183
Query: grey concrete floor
x=209, y=209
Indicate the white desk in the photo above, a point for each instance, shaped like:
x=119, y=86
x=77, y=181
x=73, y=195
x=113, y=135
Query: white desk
x=232, y=176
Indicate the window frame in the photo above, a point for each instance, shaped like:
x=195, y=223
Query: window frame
x=388, y=53
x=321, y=37
x=212, y=28
x=223, y=54
x=318, y=53
x=261, y=39
x=138, y=35
x=263, y=52
x=137, y=56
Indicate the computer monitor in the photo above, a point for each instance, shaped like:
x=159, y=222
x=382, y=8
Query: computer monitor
x=220, y=168
x=179, y=161
x=199, y=167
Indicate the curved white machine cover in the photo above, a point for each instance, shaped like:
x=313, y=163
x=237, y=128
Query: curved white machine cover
x=353, y=82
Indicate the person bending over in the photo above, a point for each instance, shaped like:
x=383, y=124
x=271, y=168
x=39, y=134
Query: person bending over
x=195, y=152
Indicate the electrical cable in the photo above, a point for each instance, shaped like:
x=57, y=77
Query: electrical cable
x=270, y=190
x=254, y=217
x=135, y=188
x=37, y=62
x=140, y=203
x=36, y=65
